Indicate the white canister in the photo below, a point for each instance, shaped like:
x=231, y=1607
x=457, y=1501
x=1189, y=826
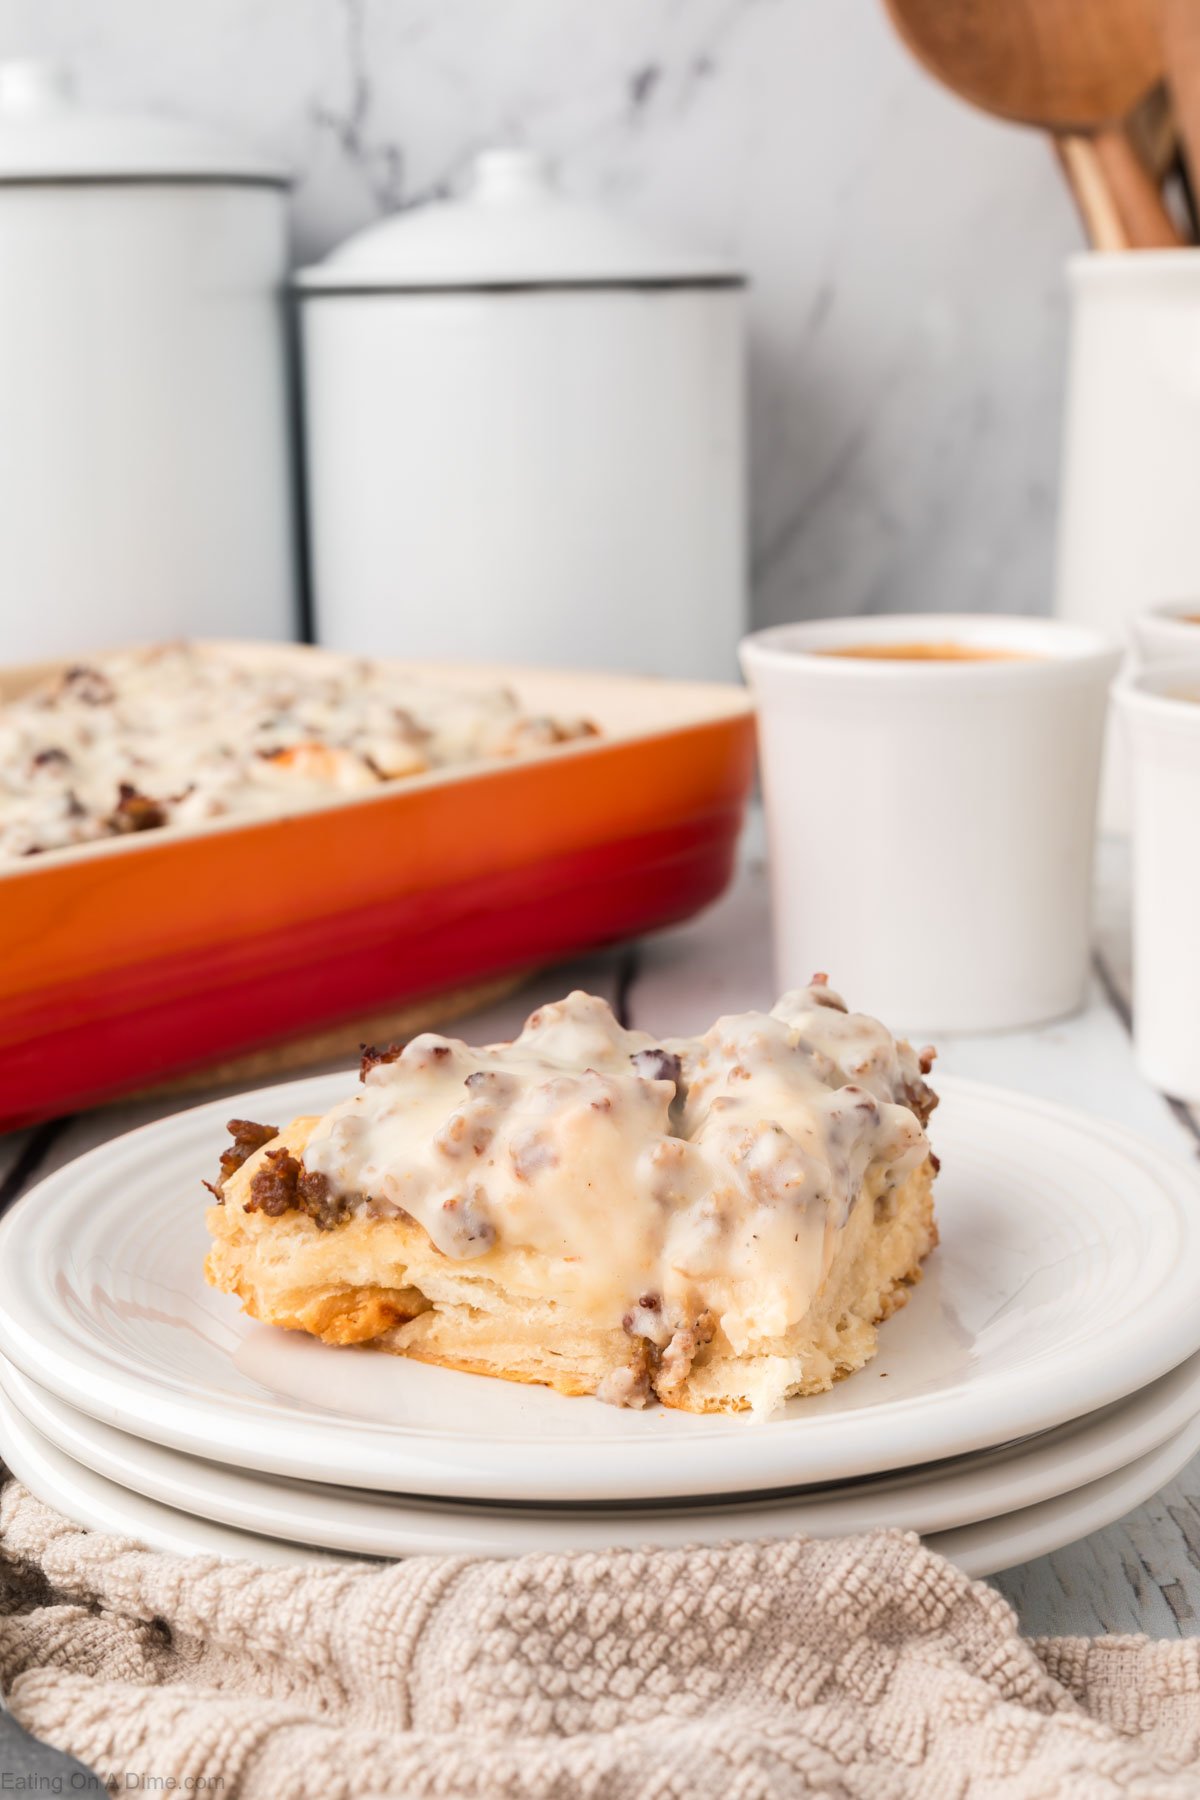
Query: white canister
x=1160, y=707
x=525, y=437
x=932, y=818
x=145, y=469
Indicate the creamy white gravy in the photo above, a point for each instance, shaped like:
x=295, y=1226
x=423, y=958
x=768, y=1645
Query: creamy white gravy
x=667, y=1177
x=197, y=734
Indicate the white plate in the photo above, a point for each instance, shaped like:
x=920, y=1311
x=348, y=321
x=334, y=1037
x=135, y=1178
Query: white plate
x=1069, y=1276
x=101, y=1505
x=940, y=1497
x=994, y=1544
x=980, y=1549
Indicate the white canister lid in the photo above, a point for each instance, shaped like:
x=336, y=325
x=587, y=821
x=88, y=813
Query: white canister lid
x=510, y=228
x=48, y=138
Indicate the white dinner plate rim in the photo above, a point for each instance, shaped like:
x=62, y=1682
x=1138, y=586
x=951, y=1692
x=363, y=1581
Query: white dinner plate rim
x=979, y=1550
x=363, y=1452
x=352, y=1521
x=105, y=1507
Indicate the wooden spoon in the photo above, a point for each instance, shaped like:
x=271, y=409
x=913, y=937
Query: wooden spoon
x=1071, y=69
x=1056, y=63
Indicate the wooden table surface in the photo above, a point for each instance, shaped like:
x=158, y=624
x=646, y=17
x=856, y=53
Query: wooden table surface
x=1142, y=1574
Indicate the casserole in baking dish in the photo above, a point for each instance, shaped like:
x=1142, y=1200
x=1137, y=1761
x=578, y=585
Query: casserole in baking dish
x=132, y=958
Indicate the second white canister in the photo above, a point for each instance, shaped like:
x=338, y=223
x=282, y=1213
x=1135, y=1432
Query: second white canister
x=525, y=437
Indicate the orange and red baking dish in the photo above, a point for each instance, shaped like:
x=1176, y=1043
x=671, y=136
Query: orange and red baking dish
x=144, y=953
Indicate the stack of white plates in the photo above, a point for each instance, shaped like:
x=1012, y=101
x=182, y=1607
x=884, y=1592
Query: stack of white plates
x=1043, y=1380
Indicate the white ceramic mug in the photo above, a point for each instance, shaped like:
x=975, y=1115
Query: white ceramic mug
x=1169, y=632
x=1162, y=724
x=932, y=823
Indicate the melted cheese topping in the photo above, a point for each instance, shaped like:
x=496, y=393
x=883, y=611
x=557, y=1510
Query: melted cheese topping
x=650, y=1181
x=196, y=734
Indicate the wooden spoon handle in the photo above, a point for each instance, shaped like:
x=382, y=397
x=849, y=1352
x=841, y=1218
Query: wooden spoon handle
x=1094, y=198
x=1120, y=206
x=1138, y=201
x=1181, y=45
x=1154, y=132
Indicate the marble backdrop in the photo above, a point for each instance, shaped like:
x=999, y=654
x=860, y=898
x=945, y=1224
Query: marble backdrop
x=907, y=307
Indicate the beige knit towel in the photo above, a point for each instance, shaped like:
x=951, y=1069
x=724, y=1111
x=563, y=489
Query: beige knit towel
x=859, y=1667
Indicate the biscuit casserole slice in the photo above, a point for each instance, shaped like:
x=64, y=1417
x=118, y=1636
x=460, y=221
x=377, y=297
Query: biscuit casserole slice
x=719, y=1222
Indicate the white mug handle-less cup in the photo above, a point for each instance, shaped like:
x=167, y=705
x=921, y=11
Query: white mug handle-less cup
x=932, y=822
x=1169, y=632
x=1160, y=708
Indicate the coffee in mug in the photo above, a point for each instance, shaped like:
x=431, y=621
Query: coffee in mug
x=946, y=652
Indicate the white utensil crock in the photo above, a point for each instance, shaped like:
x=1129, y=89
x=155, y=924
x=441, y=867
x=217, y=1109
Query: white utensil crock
x=525, y=437
x=931, y=824
x=1163, y=728
x=1131, y=447
x=1128, y=532
x=145, y=474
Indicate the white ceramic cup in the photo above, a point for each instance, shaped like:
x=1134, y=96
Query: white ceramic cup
x=1169, y=632
x=1162, y=726
x=932, y=823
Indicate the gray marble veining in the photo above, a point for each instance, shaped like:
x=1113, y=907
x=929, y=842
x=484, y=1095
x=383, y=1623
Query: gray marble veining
x=907, y=308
